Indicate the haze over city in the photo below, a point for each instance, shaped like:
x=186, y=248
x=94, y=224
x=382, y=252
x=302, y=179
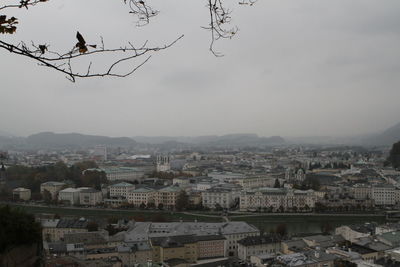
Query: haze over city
x=294, y=68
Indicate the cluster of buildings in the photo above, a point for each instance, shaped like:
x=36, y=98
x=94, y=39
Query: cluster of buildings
x=185, y=243
x=282, y=180
x=218, y=244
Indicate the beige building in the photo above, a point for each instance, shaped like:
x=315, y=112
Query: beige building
x=257, y=245
x=21, y=194
x=54, y=230
x=211, y=246
x=90, y=197
x=53, y=188
x=231, y=231
x=120, y=189
x=225, y=198
x=167, y=196
x=174, y=247
x=353, y=232
x=135, y=253
x=384, y=195
x=277, y=199
x=141, y=195
x=69, y=195
x=362, y=191
x=255, y=182
x=121, y=173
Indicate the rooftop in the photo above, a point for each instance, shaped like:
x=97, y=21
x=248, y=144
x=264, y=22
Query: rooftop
x=123, y=184
x=259, y=240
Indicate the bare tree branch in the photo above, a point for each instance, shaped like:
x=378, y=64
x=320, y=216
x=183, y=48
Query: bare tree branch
x=63, y=62
x=23, y=3
x=142, y=10
x=219, y=18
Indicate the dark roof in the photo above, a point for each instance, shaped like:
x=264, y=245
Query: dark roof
x=101, y=250
x=172, y=241
x=88, y=238
x=89, y=190
x=361, y=249
x=259, y=240
x=57, y=247
x=209, y=237
x=72, y=223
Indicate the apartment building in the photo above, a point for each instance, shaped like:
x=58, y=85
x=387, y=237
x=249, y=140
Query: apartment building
x=143, y=195
x=174, y=247
x=277, y=199
x=120, y=189
x=21, y=193
x=90, y=197
x=54, y=230
x=214, y=197
x=70, y=195
x=255, y=182
x=257, y=245
x=167, y=196
x=52, y=187
x=362, y=191
x=121, y=173
x=384, y=195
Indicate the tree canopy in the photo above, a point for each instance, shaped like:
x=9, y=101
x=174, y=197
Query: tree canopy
x=182, y=201
x=394, y=155
x=32, y=177
x=17, y=228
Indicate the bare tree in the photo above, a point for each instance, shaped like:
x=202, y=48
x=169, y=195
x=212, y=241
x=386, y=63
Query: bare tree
x=67, y=62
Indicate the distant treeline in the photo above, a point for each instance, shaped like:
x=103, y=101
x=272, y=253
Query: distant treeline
x=32, y=177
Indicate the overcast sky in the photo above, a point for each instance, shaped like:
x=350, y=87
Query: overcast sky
x=295, y=68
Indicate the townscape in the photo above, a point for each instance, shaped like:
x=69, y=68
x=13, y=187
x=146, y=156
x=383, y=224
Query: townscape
x=207, y=206
x=210, y=133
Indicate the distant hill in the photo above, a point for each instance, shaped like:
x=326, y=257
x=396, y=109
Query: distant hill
x=387, y=137
x=214, y=140
x=10, y=141
x=56, y=140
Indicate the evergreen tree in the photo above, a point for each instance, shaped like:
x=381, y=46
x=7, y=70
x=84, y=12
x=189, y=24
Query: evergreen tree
x=394, y=155
x=182, y=201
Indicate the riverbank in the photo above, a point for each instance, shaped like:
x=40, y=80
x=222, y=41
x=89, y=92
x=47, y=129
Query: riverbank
x=295, y=222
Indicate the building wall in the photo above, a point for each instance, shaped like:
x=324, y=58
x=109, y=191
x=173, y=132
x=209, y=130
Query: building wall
x=54, y=234
x=116, y=191
x=384, y=195
x=275, y=200
x=22, y=193
x=232, y=245
x=136, y=257
x=137, y=198
x=211, y=249
x=168, y=199
x=349, y=234
x=211, y=198
x=90, y=198
x=244, y=252
x=52, y=188
x=71, y=197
